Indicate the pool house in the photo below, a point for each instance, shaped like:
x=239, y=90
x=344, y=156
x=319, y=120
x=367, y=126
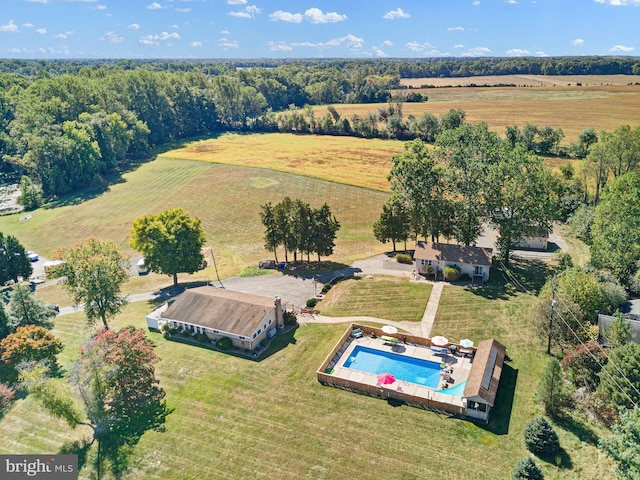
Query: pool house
x=452, y=378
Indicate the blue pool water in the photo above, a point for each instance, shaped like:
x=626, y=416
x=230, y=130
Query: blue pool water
x=457, y=391
x=407, y=369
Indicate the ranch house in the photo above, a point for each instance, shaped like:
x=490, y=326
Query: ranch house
x=472, y=261
x=244, y=318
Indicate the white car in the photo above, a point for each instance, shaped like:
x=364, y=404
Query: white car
x=33, y=256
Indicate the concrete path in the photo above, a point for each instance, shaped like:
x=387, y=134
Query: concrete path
x=431, y=310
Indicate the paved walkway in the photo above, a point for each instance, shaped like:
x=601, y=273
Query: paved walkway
x=430, y=312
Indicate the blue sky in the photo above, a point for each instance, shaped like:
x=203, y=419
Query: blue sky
x=314, y=28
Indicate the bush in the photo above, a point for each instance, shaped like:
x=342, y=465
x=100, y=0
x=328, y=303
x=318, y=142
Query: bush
x=289, y=318
x=526, y=469
x=404, y=258
x=253, y=271
x=540, y=438
x=224, y=343
x=312, y=302
x=202, y=338
x=165, y=329
x=582, y=365
x=7, y=394
x=326, y=287
x=451, y=273
x=614, y=296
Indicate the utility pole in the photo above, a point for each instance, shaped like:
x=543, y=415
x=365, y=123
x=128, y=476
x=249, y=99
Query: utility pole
x=553, y=307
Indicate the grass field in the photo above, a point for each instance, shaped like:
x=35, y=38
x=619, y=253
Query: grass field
x=525, y=80
x=226, y=198
x=235, y=418
x=353, y=161
x=571, y=108
x=390, y=298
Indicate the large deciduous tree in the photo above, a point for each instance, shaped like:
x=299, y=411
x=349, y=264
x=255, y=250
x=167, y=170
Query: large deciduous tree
x=29, y=343
x=615, y=233
x=393, y=224
x=520, y=199
x=171, y=242
x=14, y=262
x=95, y=272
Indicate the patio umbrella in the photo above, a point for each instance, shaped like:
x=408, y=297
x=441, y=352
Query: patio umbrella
x=385, y=379
x=466, y=343
x=390, y=329
x=439, y=341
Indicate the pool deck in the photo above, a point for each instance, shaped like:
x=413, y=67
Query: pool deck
x=461, y=368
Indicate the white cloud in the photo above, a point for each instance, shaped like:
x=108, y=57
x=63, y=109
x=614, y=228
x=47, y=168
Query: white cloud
x=279, y=47
x=101, y=7
x=459, y=45
x=315, y=15
x=226, y=43
x=183, y=10
x=28, y=25
x=225, y=32
x=512, y=1
x=397, y=13
x=63, y=36
x=249, y=12
x=622, y=48
x=618, y=3
x=541, y=54
x=349, y=41
x=455, y=29
x=41, y=31
x=112, y=37
x=280, y=16
x=38, y=1
x=387, y=43
x=419, y=47
x=476, y=3
x=477, y=52
x=133, y=26
x=156, y=39
x=379, y=52
x=517, y=52
x=174, y=26
x=9, y=27
x=154, y=6
x=196, y=44
x=577, y=42
x=236, y=2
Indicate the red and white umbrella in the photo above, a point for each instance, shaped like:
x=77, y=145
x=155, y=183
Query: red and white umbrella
x=439, y=341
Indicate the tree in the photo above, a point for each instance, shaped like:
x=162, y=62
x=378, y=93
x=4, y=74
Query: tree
x=526, y=469
x=619, y=331
x=393, y=224
x=119, y=393
x=586, y=138
x=540, y=438
x=619, y=379
x=14, y=262
x=30, y=194
x=171, y=242
x=26, y=309
x=615, y=234
x=622, y=445
x=324, y=229
x=95, y=272
x=552, y=390
x=583, y=289
x=561, y=323
x=583, y=364
x=29, y=343
x=520, y=199
x=271, y=234
x=5, y=328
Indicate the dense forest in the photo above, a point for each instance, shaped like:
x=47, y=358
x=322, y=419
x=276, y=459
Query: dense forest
x=67, y=124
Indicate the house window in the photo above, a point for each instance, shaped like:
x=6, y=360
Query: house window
x=216, y=331
x=241, y=338
x=477, y=270
x=259, y=331
x=269, y=322
x=254, y=336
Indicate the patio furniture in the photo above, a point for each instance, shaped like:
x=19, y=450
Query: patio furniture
x=357, y=333
x=466, y=352
x=386, y=340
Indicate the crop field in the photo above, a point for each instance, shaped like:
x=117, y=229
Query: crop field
x=352, y=161
x=571, y=108
x=524, y=80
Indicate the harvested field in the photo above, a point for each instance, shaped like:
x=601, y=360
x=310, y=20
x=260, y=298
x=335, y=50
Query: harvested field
x=524, y=80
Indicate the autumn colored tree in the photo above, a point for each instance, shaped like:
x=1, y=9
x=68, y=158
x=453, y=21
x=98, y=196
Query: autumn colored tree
x=95, y=272
x=29, y=343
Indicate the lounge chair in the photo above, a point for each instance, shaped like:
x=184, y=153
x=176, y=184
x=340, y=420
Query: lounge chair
x=466, y=352
x=357, y=333
x=386, y=340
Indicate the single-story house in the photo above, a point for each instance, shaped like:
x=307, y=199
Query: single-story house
x=534, y=242
x=472, y=261
x=244, y=318
x=484, y=377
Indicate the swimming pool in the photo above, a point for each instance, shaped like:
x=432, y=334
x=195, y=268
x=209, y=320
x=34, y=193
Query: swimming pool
x=407, y=369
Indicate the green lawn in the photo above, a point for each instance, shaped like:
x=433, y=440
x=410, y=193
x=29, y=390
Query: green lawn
x=389, y=298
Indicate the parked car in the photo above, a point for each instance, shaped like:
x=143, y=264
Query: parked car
x=142, y=268
x=33, y=256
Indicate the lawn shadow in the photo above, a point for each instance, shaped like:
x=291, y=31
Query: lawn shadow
x=579, y=429
x=78, y=447
x=500, y=417
x=519, y=276
x=561, y=459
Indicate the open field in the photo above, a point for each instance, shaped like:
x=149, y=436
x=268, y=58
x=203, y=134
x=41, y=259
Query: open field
x=272, y=419
x=524, y=80
x=391, y=298
x=352, y=161
x=571, y=108
x=226, y=198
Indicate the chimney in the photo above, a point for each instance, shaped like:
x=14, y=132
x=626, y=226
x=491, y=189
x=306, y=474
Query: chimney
x=278, y=306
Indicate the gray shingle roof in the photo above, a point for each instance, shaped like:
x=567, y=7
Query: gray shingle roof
x=453, y=253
